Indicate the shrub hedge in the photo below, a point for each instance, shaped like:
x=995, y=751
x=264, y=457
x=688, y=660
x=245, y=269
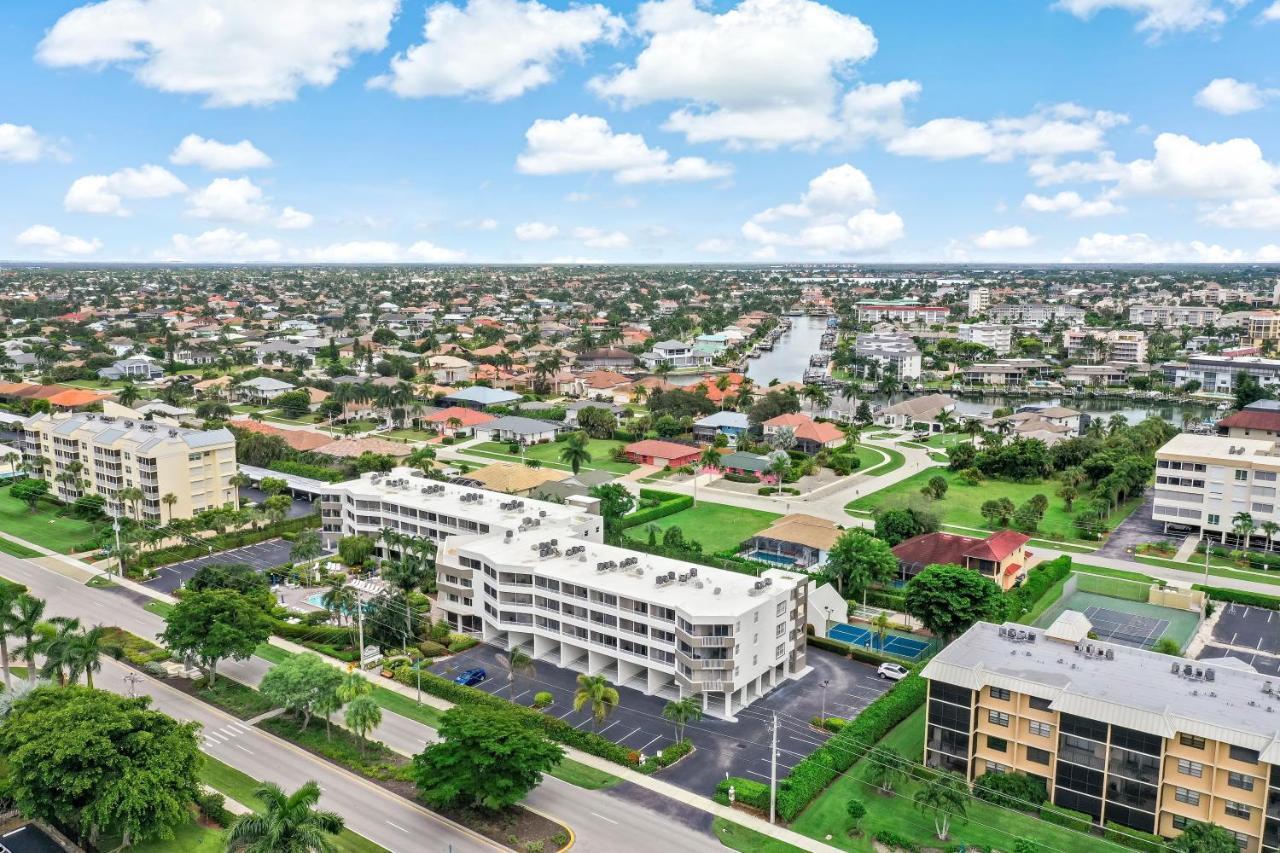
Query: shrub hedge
x=745, y=791
x=886, y=598
x=1021, y=599
x=669, y=503
x=214, y=807
x=1016, y=791
x=306, y=469
x=1240, y=596
x=1079, y=821
x=1135, y=838
x=813, y=774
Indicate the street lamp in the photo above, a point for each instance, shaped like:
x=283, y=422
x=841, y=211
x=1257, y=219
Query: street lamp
x=825, y=682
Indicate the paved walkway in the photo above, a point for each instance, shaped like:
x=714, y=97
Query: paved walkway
x=1186, y=549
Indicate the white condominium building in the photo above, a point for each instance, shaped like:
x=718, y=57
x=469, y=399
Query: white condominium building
x=979, y=301
x=905, y=313
x=1204, y=481
x=997, y=336
x=1217, y=373
x=96, y=454
x=536, y=576
x=1195, y=316
x=897, y=352
x=1095, y=345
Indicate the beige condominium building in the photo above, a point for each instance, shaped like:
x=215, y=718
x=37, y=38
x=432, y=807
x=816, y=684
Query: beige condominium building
x=117, y=453
x=534, y=575
x=1127, y=736
x=1204, y=481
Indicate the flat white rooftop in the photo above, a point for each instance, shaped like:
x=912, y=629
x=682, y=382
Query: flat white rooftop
x=1224, y=447
x=706, y=592
x=1135, y=688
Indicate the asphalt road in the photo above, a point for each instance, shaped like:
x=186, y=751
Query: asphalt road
x=598, y=818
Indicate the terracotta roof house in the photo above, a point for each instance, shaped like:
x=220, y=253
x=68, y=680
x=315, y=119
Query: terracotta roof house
x=75, y=398
x=1260, y=419
x=1001, y=557
x=513, y=478
x=811, y=436
x=350, y=448
x=298, y=439
x=466, y=420
x=664, y=454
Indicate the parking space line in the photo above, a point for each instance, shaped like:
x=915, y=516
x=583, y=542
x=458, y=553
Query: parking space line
x=567, y=713
x=611, y=725
x=624, y=737
x=650, y=743
x=761, y=775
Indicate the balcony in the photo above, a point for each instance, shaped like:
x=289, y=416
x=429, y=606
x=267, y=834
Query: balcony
x=705, y=641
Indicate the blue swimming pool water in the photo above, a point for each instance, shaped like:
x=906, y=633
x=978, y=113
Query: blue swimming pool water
x=766, y=557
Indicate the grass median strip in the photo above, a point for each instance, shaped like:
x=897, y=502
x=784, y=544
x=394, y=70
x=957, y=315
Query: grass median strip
x=737, y=837
x=17, y=549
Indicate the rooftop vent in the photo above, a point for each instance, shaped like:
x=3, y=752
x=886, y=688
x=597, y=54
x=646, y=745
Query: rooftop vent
x=1267, y=688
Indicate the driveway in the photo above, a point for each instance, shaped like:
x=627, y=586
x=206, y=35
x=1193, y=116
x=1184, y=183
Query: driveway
x=262, y=556
x=1137, y=529
x=736, y=749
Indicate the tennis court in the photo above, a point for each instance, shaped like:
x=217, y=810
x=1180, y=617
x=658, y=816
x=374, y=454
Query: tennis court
x=894, y=644
x=1127, y=628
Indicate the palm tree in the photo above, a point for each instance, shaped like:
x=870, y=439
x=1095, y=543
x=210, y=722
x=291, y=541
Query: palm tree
x=58, y=647
x=889, y=770
x=86, y=651
x=28, y=611
x=362, y=716
x=12, y=458
x=406, y=574
x=575, y=452
x=595, y=691
x=1270, y=528
x=663, y=369
x=169, y=499
x=9, y=596
x=340, y=600
x=515, y=662
x=1242, y=526
x=881, y=624
x=287, y=824
x=131, y=495
x=710, y=458
x=128, y=394
x=681, y=712
x=945, y=797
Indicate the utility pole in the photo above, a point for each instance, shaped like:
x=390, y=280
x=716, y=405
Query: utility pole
x=773, y=773
x=360, y=624
x=115, y=526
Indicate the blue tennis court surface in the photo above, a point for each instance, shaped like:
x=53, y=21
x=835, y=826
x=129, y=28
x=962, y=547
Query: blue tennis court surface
x=905, y=647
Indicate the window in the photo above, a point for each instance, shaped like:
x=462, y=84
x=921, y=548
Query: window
x=999, y=718
x=999, y=744
x=1248, y=756
x=1241, y=475
x=1190, y=768
x=1180, y=823
x=1241, y=781
x=1041, y=729
x=999, y=693
x=1239, y=810
x=1184, y=795
x=1040, y=704
x=1214, y=519
x=1192, y=741
x=1039, y=756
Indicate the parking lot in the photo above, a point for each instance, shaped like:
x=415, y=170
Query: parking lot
x=1250, y=634
x=738, y=749
x=262, y=556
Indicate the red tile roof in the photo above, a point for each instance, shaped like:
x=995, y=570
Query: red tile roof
x=468, y=417
x=1246, y=419
x=998, y=546
x=930, y=548
x=661, y=449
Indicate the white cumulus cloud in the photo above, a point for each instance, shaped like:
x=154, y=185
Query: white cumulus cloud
x=1142, y=248
x=764, y=72
x=20, y=143
x=232, y=52
x=833, y=217
x=223, y=244
x=1064, y=128
x=495, y=49
x=999, y=239
x=195, y=150
x=598, y=238
x=1157, y=17
x=55, y=243
x=580, y=143
x=531, y=231
x=292, y=219
x=1271, y=13
x=106, y=193
x=715, y=246
x=1228, y=96
x=229, y=199
x=1071, y=203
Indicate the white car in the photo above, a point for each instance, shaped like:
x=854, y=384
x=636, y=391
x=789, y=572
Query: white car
x=892, y=671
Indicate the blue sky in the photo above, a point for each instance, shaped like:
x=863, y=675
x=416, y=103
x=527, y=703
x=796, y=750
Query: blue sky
x=510, y=131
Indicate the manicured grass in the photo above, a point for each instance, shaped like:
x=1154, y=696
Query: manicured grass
x=1214, y=570
x=234, y=698
x=44, y=527
x=985, y=826
x=1114, y=573
x=946, y=440
x=549, y=455
x=737, y=837
x=411, y=434
x=359, y=426
x=962, y=504
x=159, y=608
x=869, y=457
x=8, y=546
x=275, y=654
x=584, y=776
x=895, y=461
x=277, y=415
x=1061, y=546
x=191, y=837
x=239, y=787
x=397, y=703
x=100, y=582
x=717, y=526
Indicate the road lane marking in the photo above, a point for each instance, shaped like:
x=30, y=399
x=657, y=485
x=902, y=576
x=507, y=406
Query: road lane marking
x=607, y=820
x=397, y=826
x=245, y=749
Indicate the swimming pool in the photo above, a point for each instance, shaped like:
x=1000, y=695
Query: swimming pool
x=767, y=557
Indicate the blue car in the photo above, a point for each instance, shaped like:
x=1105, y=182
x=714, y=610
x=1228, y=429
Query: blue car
x=471, y=677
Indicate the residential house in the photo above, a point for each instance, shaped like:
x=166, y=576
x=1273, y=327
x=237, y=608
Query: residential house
x=480, y=397
x=730, y=424
x=262, y=389
x=606, y=358
x=797, y=540
x=456, y=420
x=917, y=413
x=517, y=428
x=1002, y=557
x=745, y=464
x=679, y=355
x=449, y=369
x=139, y=368
x=1259, y=419
x=663, y=454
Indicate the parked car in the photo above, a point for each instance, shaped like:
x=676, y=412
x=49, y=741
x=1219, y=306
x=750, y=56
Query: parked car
x=472, y=677
x=892, y=671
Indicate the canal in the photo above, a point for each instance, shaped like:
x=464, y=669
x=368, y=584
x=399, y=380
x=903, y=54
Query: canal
x=790, y=355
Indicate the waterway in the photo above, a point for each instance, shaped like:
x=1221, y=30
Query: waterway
x=789, y=357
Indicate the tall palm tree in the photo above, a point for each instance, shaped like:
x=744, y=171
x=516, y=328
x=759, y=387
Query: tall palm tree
x=596, y=692
x=516, y=662
x=85, y=653
x=169, y=499
x=128, y=394
x=881, y=624
x=681, y=712
x=9, y=616
x=28, y=613
x=340, y=600
x=890, y=770
x=58, y=647
x=12, y=458
x=1242, y=526
x=710, y=458
x=406, y=574
x=945, y=797
x=1270, y=529
x=131, y=495
x=575, y=452
x=362, y=716
x=289, y=823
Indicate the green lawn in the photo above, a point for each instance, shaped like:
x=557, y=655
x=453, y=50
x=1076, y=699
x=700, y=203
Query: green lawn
x=895, y=461
x=239, y=787
x=962, y=504
x=275, y=654
x=870, y=457
x=159, y=608
x=8, y=546
x=1214, y=570
x=191, y=837
x=737, y=837
x=718, y=527
x=549, y=455
x=946, y=440
x=410, y=434
x=985, y=826
x=235, y=698
x=277, y=415
x=44, y=527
